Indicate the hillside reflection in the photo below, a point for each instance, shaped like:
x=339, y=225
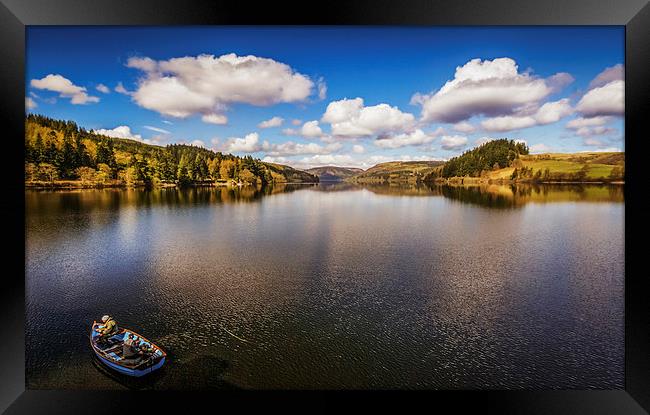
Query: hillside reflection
x=509, y=196
x=490, y=196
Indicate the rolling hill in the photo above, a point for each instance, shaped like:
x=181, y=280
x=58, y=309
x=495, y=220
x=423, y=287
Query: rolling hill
x=397, y=172
x=333, y=173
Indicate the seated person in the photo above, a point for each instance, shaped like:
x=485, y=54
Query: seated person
x=108, y=329
x=144, y=349
x=129, y=348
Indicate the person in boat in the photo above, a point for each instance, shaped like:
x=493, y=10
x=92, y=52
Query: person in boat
x=108, y=329
x=129, y=347
x=144, y=349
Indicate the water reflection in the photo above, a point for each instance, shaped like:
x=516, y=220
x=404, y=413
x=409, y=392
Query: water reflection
x=509, y=196
x=334, y=285
x=491, y=196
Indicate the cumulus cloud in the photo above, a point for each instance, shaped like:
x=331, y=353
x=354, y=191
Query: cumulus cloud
x=608, y=99
x=123, y=131
x=30, y=103
x=273, y=122
x=588, y=122
x=248, y=144
x=206, y=84
x=548, y=113
x=358, y=149
x=613, y=73
x=342, y=160
x=252, y=143
x=592, y=131
x=489, y=87
x=65, y=88
x=453, y=142
x=588, y=127
x=296, y=122
x=350, y=118
x=103, y=88
x=414, y=138
x=311, y=129
x=464, y=127
x=290, y=148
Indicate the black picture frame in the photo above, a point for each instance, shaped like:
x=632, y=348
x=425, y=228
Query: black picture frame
x=15, y=15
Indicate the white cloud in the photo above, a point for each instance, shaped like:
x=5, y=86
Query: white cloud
x=30, y=103
x=248, y=144
x=613, y=73
x=350, y=118
x=358, y=149
x=290, y=148
x=198, y=143
x=588, y=122
x=103, y=88
x=156, y=129
x=490, y=88
x=65, y=88
x=608, y=99
x=273, y=122
x=507, y=123
x=598, y=130
x=548, y=113
x=296, y=122
x=167, y=122
x=464, y=127
x=453, y=142
x=123, y=131
x=414, y=138
x=206, y=84
x=311, y=129
x=121, y=90
x=218, y=119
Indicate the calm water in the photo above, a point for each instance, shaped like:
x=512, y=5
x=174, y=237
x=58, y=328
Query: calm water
x=332, y=286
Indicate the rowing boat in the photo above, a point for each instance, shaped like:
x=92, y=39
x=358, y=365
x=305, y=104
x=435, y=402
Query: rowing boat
x=110, y=353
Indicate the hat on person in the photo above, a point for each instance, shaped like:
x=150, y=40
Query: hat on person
x=105, y=318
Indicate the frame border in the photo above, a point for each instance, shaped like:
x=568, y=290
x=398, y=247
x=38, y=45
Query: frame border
x=633, y=14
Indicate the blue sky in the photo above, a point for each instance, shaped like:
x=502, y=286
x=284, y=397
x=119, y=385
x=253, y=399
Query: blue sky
x=341, y=96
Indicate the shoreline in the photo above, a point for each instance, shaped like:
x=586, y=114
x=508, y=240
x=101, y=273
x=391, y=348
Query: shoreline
x=74, y=185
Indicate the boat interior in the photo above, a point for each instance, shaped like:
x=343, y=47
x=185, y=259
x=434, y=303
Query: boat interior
x=113, y=349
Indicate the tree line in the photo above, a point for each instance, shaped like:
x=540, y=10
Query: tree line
x=493, y=155
x=61, y=150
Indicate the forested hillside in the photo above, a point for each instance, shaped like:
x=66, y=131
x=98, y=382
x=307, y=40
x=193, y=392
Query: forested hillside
x=57, y=151
x=492, y=155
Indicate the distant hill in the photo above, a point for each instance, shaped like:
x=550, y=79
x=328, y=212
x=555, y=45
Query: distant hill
x=397, y=172
x=333, y=173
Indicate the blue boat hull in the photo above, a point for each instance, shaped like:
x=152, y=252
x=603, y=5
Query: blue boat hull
x=131, y=372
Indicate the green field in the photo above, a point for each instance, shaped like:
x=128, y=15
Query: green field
x=597, y=165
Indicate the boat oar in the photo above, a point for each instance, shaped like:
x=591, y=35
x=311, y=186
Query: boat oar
x=235, y=336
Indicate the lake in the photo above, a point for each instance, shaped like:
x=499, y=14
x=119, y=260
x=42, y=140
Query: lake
x=332, y=286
